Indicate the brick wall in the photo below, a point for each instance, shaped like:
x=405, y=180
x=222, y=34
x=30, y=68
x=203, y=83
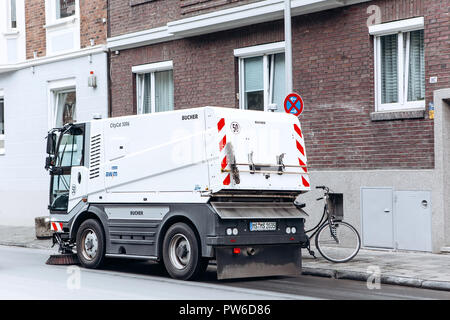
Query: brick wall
x=91, y=25
x=136, y=15
x=35, y=33
x=333, y=71
x=92, y=13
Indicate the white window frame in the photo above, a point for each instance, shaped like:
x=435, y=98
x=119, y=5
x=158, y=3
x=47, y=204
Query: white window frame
x=150, y=68
x=53, y=88
x=3, y=136
x=265, y=51
x=401, y=28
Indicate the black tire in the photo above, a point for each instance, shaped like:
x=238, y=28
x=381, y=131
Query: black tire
x=181, y=253
x=89, y=231
x=345, y=253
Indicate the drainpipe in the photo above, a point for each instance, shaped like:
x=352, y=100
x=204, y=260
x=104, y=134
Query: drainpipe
x=288, y=46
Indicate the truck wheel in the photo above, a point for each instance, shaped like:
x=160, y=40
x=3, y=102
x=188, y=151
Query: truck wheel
x=181, y=252
x=90, y=244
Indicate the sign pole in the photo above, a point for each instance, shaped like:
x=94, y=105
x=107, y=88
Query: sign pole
x=288, y=46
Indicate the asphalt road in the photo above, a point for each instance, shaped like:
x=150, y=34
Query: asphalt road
x=24, y=275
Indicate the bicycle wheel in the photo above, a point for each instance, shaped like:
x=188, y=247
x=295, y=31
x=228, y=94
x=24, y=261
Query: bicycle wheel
x=341, y=248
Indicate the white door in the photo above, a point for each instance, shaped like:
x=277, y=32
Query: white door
x=413, y=220
x=377, y=217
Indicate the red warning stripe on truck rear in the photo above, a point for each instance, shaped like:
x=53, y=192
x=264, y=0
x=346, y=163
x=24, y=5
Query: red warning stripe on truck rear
x=220, y=124
x=303, y=165
x=305, y=182
x=222, y=143
x=300, y=148
x=224, y=163
x=297, y=129
x=227, y=180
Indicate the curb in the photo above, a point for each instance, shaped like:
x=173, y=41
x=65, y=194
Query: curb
x=362, y=276
x=24, y=245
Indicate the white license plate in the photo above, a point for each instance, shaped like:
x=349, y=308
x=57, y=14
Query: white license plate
x=263, y=226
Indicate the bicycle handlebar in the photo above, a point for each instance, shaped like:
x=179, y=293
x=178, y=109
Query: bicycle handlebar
x=321, y=187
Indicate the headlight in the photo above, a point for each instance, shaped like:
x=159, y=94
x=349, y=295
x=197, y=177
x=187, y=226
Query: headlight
x=229, y=231
x=288, y=230
x=235, y=231
x=293, y=230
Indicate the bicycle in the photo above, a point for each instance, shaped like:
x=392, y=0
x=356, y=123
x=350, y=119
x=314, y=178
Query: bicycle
x=336, y=240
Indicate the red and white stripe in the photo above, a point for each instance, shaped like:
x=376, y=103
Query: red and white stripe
x=56, y=226
x=301, y=155
x=222, y=143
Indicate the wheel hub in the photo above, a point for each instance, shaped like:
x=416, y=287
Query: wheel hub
x=90, y=243
x=179, y=251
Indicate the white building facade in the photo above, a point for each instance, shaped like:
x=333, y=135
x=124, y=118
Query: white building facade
x=40, y=93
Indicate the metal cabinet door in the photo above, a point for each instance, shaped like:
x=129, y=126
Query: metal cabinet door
x=413, y=220
x=377, y=217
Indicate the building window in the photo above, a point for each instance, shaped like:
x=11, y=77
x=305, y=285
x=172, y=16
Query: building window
x=400, y=70
x=261, y=77
x=2, y=126
x=64, y=107
x=64, y=8
x=12, y=14
x=154, y=87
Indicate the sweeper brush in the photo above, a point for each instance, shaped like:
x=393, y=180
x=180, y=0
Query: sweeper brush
x=65, y=256
x=63, y=259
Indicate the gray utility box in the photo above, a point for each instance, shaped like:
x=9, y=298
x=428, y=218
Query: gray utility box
x=336, y=205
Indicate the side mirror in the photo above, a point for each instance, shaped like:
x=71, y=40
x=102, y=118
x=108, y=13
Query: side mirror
x=51, y=143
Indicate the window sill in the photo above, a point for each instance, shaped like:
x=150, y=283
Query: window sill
x=61, y=22
x=397, y=115
x=11, y=33
x=138, y=2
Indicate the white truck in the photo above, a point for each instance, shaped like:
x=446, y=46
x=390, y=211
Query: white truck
x=183, y=188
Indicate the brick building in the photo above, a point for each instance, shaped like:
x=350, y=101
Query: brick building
x=48, y=49
x=372, y=75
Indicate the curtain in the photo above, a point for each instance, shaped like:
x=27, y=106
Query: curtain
x=146, y=93
x=416, y=75
x=254, y=83
x=277, y=85
x=389, y=74
x=164, y=91
x=60, y=101
x=2, y=117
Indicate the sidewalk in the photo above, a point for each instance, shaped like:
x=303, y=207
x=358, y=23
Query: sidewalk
x=414, y=269
x=22, y=237
x=422, y=270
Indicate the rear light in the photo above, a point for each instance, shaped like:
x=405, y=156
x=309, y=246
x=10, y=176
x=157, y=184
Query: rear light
x=237, y=250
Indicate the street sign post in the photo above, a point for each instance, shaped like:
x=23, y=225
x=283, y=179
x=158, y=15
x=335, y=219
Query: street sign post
x=293, y=104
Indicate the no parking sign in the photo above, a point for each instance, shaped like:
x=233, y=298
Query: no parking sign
x=293, y=104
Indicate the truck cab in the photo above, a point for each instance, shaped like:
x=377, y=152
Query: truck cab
x=65, y=148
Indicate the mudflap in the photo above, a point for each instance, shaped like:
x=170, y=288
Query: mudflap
x=258, y=261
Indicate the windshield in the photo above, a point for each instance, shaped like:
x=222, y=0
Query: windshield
x=70, y=151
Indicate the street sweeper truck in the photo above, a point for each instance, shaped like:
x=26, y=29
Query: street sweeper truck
x=182, y=188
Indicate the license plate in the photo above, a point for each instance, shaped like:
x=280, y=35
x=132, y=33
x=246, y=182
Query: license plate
x=263, y=226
